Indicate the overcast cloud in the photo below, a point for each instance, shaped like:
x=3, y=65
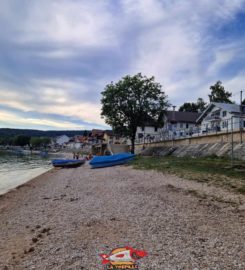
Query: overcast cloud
x=57, y=55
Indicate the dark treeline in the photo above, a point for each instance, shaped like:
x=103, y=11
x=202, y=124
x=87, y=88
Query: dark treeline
x=23, y=140
x=10, y=132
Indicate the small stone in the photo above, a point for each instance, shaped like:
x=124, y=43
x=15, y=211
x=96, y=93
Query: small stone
x=34, y=239
x=31, y=249
x=45, y=230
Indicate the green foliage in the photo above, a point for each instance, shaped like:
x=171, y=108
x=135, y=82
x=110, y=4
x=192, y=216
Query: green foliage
x=199, y=106
x=21, y=140
x=218, y=93
x=6, y=140
x=40, y=141
x=130, y=102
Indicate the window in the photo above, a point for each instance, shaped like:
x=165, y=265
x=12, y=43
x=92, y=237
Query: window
x=181, y=125
x=140, y=135
x=224, y=113
x=155, y=129
x=187, y=125
x=143, y=128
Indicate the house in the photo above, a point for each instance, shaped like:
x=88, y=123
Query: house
x=179, y=124
x=61, y=140
x=217, y=117
x=148, y=132
x=77, y=142
x=97, y=135
x=111, y=137
x=108, y=136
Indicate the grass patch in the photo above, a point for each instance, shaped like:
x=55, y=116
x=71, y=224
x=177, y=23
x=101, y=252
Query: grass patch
x=211, y=170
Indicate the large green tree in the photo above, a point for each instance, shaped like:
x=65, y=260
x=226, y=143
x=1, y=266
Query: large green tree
x=199, y=106
x=218, y=93
x=40, y=141
x=127, y=103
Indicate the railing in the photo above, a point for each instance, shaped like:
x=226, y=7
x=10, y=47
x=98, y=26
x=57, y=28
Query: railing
x=227, y=126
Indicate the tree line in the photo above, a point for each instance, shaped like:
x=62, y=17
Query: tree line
x=23, y=140
x=12, y=132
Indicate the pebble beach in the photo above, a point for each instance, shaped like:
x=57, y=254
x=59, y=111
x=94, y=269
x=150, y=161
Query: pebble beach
x=65, y=218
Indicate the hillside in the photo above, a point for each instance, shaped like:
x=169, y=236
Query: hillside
x=9, y=132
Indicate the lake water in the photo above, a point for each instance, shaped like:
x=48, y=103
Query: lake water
x=17, y=169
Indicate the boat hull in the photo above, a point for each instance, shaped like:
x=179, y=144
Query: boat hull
x=68, y=163
x=108, y=161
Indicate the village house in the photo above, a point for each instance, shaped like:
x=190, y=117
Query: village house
x=108, y=136
x=148, y=132
x=179, y=124
x=97, y=135
x=111, y=137
x=62, y=140
x=76, y=142
x=221, y=117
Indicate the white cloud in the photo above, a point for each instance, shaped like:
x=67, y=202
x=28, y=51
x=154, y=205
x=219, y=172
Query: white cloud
x=178, y=49
x=11, y=119
x=171, y=40
x=74, y=23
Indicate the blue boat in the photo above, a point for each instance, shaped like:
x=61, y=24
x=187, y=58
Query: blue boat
x=67, y=163
x=107, y=161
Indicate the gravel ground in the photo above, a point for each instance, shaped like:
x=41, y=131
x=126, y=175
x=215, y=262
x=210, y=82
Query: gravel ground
x=66, y=217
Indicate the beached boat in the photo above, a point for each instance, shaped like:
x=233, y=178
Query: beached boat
x=107, y=161
x=67, y=163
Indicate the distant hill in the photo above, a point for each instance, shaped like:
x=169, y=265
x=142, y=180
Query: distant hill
x=11, y=132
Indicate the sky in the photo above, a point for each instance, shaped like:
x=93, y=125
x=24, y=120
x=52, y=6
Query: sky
x=56, y=56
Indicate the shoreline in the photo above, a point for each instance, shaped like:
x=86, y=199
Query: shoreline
x=25, y=183
x=25, y=179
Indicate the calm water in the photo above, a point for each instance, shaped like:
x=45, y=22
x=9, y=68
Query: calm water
x=17, y=169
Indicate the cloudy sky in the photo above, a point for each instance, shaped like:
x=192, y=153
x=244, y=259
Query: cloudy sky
x=56, y=56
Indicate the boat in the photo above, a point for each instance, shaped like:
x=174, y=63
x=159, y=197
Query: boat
x=107, y=161
x=68, y=163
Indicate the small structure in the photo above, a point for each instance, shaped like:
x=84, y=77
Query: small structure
x=217, y=117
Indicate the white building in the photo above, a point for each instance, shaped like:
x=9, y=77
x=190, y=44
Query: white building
x=148, y=132
x=179, y=124
x=220, y=117
x=61, y=140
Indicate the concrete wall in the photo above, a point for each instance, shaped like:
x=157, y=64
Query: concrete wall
x=119, y=148
x=199, y=150
x=221, y=137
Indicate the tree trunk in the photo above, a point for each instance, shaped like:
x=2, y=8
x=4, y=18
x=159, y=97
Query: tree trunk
x=132, y=143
